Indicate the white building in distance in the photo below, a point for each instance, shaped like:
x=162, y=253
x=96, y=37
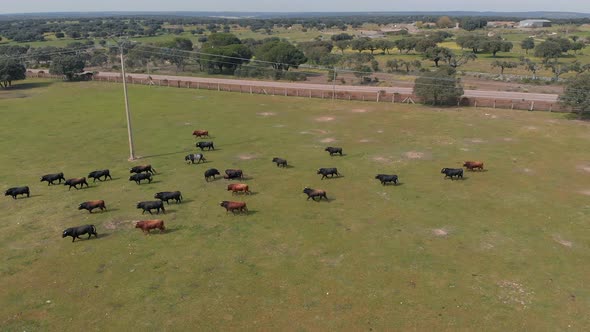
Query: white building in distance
x=534, y=24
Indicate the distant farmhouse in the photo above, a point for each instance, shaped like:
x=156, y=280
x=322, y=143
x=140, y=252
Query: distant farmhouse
x=534, y=24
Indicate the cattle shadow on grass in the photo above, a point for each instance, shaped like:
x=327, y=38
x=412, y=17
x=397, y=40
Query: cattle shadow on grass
x=391, y=184
x=331, y=177
x=459, y=179
x=167, y=231
x=101, y=235
x=23, y=196
x=323, y=200
x=83, y=188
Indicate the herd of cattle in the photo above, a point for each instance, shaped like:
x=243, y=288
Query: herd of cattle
x=145, y=172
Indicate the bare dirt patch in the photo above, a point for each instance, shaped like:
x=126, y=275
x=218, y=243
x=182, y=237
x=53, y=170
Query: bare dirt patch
x=508, y=139
x=364, y=140
x=416, y=155
x=464, y=149
x=585, y=168
x=246, y=157
x=328, y=140
x=531, y=128
x=324, y=119
x=476, y=140
x=514, y=293
x=320, y=131
x=585, y=192
x=266, y=113
x=116, y=224
x=359, y=110
x=441, y=232
x=561, y=241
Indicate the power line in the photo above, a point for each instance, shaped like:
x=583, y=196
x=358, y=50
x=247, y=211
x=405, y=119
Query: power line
x=266, y=68
x=23, y=56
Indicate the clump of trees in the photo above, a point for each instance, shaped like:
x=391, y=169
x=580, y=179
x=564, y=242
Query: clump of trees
x=440, y=87
x=480, y=43
x=577, y=94
x=67, y=65
x=224, y=51
x=11, y=70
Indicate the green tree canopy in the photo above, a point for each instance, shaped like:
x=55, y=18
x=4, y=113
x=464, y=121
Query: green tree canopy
x=316, y=50
x=548, y=50
x=440, y=87
x=361, y=44
x=473, y=23
x=67, y=65
x=437, y=54
x=341, y=36
x=503, y=65
x=177, y=51
x=425, y=43
x=527, y=44
x=222, y=39
x=281, y=54
x=577, y=93
x=11, y=70
x=495, y=45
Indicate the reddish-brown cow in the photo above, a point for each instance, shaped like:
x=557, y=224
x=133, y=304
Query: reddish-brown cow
x=147, y=225
x=237, y=187
x=471, y=165
x=201, y=133
x=91, y=205
x=234, y=206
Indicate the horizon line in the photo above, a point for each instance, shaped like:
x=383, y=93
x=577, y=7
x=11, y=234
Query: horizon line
x=290, y=12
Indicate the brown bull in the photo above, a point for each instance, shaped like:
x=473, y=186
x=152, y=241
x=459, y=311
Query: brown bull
x=76, y=181
x=472, y=165
x=238, y=187
x=147, y=225
x=234, y=206
x=201, y=133
x=91, y=205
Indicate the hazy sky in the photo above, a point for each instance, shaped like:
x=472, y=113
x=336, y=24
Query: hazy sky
x=27, y=6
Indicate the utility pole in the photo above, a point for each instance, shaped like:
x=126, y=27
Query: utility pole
x=334, y=84
x=127, y=113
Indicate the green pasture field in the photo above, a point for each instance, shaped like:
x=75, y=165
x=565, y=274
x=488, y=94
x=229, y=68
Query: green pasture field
x=505, y=249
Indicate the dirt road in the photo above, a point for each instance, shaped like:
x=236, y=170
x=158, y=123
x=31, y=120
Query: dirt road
x=485, y=94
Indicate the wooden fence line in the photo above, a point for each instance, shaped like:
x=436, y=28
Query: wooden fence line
x=380, y=97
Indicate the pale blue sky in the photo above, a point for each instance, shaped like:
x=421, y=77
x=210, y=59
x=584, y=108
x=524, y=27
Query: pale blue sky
x=27, y=6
